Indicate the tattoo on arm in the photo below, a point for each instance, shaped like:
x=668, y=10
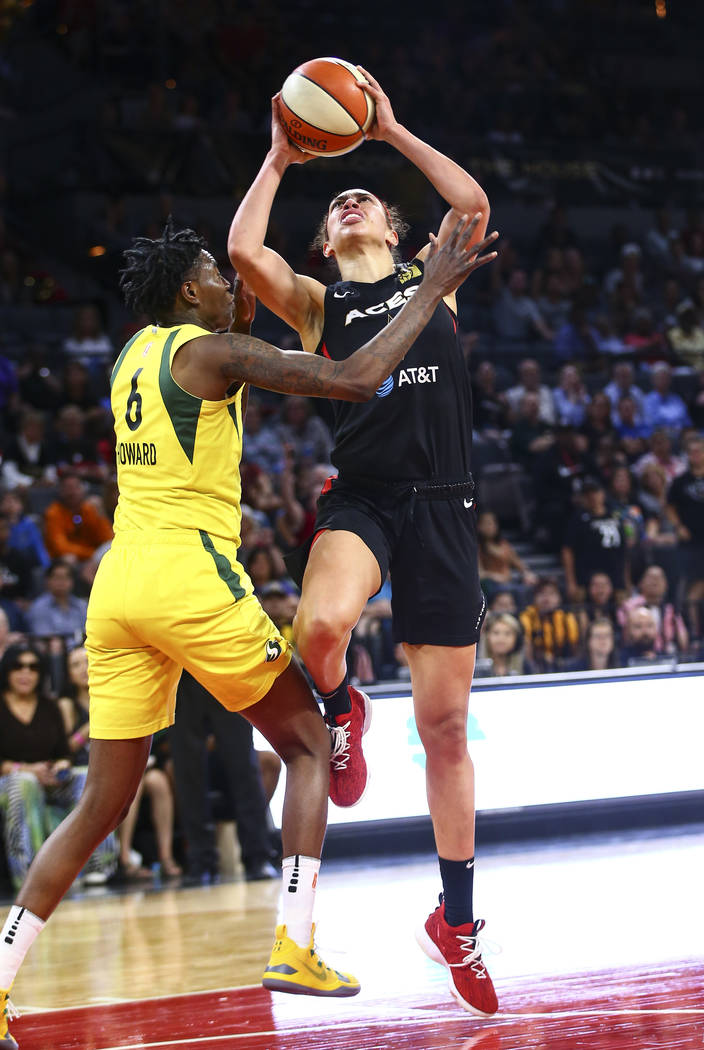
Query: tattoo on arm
x=253, y=361
x=356, y=378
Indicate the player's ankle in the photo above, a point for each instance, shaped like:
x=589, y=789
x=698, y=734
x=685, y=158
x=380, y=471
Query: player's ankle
x=337, y=702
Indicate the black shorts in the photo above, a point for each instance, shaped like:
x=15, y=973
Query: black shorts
x=424, y=534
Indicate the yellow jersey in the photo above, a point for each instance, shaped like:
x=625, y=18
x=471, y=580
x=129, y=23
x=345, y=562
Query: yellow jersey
x=178, y=455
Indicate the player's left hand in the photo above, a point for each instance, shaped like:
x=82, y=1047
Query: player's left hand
x=384, y=122
x=245, y=307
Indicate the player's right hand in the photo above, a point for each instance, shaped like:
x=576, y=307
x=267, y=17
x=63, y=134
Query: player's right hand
x=280, y=142
x=245, y=306
x=384, y=123
x=447, y=267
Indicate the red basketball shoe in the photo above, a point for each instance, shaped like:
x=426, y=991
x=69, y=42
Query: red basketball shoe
x=457, y=948
x=348, y=767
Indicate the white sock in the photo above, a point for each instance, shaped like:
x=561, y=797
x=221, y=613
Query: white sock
x=300, y=875
x=18, y=935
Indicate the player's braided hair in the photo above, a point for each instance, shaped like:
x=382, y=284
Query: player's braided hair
x=156, y=269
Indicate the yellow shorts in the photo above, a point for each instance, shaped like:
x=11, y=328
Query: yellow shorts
x=162, y=601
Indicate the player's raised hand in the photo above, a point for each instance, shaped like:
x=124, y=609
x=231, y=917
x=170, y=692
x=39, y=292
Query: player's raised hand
x=280, y=142
x=447, y=267
x=244, y=307
x=384, y=121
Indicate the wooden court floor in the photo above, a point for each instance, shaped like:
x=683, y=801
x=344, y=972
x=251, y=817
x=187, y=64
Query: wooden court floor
x=602, y=947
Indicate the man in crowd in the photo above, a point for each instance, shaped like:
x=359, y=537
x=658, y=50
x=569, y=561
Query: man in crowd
x=640, y=638
x=74, y=527
x=594, y=542
x=58, y=612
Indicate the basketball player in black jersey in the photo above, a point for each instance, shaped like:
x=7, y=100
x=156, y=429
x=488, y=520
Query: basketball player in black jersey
x=403, y=501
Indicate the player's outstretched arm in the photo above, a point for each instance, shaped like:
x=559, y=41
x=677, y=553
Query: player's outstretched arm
x=357, y=377
x=297, y=299
x=455, y=185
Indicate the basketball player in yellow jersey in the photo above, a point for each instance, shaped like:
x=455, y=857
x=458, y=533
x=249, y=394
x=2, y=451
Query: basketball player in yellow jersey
x=170, y=593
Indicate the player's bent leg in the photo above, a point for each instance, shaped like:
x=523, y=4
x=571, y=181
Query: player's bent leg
x=441, y=677
x=115, y=771
x=341, y=575
x=289, y=719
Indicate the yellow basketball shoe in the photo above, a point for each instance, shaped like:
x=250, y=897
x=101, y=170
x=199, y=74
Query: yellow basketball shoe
x=302, y=971
x=6, y=1014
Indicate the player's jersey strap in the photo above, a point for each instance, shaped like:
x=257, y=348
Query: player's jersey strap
x=123, y=352
x=177, y=454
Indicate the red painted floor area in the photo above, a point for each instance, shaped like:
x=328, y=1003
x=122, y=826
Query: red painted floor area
x=661, y=1008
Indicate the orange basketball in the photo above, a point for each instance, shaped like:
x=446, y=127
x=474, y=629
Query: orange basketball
x=323, y=109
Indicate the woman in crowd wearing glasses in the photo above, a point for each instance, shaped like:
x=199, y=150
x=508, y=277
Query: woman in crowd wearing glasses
x=38, y=784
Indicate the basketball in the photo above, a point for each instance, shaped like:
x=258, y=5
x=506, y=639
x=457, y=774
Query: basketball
x=323, y=109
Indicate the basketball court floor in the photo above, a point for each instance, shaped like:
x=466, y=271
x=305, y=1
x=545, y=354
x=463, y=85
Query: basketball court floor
x=601, y=944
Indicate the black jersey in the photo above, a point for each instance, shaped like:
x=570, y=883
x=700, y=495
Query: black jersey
x=418, y=425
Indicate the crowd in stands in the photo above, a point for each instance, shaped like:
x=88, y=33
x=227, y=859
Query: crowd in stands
x=588, y=377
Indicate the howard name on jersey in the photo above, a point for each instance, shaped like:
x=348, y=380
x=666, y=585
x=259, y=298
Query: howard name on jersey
x=177, y=454
x=418, y=425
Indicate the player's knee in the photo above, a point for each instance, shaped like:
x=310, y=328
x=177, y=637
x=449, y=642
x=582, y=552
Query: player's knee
x=318, y=631
x=105, y=812
x=122, y=815
x=308, y=742
x=445, y=738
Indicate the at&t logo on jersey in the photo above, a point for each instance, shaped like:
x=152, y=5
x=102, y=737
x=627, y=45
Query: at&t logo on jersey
x=420, y=374
x=410, y=377
x=386, y=387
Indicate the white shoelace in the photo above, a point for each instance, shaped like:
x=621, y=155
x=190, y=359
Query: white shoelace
x=473, y=947
x=340, y=754
x=10, y=1012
